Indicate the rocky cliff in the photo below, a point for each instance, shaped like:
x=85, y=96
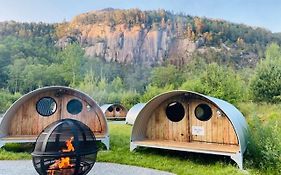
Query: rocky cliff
x=138, y=43
x=150, y=37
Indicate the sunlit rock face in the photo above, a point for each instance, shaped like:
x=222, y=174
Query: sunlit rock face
x=136, y=44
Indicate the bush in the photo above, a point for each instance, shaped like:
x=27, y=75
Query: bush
x=264, y=149
x=7, y=99
x=218, y=82
x=152, y=91
x=266, y=83
x=129, y=99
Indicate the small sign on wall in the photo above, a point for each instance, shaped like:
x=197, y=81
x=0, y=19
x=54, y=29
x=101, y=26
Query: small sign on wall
x=198, y=130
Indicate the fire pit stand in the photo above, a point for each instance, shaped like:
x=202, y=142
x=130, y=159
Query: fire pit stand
x=65, y=147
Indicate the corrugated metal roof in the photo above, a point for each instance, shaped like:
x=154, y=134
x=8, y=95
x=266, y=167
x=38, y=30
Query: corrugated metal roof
x=105, y=107
x=133, y=113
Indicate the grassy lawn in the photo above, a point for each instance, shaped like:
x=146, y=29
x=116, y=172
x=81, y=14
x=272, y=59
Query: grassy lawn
x=172, y=161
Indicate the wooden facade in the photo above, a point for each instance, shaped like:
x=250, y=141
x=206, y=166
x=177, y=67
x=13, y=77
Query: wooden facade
x=216, y=130
x=114, y=111
x=224, y=133
x=23, y=123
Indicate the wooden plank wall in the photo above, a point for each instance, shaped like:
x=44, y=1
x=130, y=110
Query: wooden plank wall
x=161, y=128
x=27, y=121
x=120, y=114
x=216, y=130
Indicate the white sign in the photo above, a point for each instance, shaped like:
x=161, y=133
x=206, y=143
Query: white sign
x=198, y=130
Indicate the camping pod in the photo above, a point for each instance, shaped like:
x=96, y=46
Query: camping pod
x=31, y=113
x=133, y=113
x=114, y=111
x=192, y=122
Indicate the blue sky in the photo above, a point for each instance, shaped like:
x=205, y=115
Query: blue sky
x=262, y=13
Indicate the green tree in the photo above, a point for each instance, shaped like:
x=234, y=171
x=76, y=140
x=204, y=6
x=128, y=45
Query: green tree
x=16, y=77
x=152, y=91
x=162, y=76
x=72, y=60
x=218, y=81
x=266, y=83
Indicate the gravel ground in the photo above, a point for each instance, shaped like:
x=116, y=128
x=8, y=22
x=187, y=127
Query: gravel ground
x=25, y=167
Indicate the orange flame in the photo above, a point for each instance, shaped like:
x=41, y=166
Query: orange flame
x=63, y=162
x=69, y=145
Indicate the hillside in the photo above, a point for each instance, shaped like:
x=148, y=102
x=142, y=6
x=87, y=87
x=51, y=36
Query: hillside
x=152, y=37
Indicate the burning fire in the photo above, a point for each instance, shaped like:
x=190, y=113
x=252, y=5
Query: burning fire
x=63, y=162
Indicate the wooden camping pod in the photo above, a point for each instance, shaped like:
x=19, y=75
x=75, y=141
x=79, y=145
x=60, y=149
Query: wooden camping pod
x=30, y=114
x=192, y=122
x=114, y=111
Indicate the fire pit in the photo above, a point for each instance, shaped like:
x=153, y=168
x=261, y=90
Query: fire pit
x=65, y=147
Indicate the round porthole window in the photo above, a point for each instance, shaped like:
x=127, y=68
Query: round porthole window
x=118, y=109
x=46, y=106
x=110, y=109
x=203, y=112
x=74, y=106
x=175, y=111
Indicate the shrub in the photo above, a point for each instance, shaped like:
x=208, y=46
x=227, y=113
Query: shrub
x=219, y=82
x=152, y=91
x=7, y=99
x=266, y=83
x=264, y=149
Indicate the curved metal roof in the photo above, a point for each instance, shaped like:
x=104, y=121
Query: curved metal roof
x=232, y=113
x=7, y=116
x=133, y=113
x=106, y=106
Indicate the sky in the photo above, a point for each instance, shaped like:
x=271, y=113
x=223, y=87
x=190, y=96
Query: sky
x=257, y=13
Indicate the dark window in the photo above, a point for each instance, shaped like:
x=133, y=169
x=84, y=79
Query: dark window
x=110, y=109
x=175, y=112
x=46, y=106
x=74, y=106
x=203, y=112
x=117, y=109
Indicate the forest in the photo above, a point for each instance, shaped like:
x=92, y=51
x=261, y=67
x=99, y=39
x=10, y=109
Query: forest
x=30, y=59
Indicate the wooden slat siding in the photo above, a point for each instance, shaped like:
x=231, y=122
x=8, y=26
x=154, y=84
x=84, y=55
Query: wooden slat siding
x=226, y=130
x=184, y=126
x=170, y=130
x=161, y=125
x=156, y=116
x=149, y=129
x=208, y=131
x=109, y=114
x=85, y=116
x=217, y=129
x=194, y=121
x=188, y=131
x=162, y=128
x=121, y=114
x=220, y=126
x=153, y=129
x=166, y=124
x=27, y=121
x=232, y=135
